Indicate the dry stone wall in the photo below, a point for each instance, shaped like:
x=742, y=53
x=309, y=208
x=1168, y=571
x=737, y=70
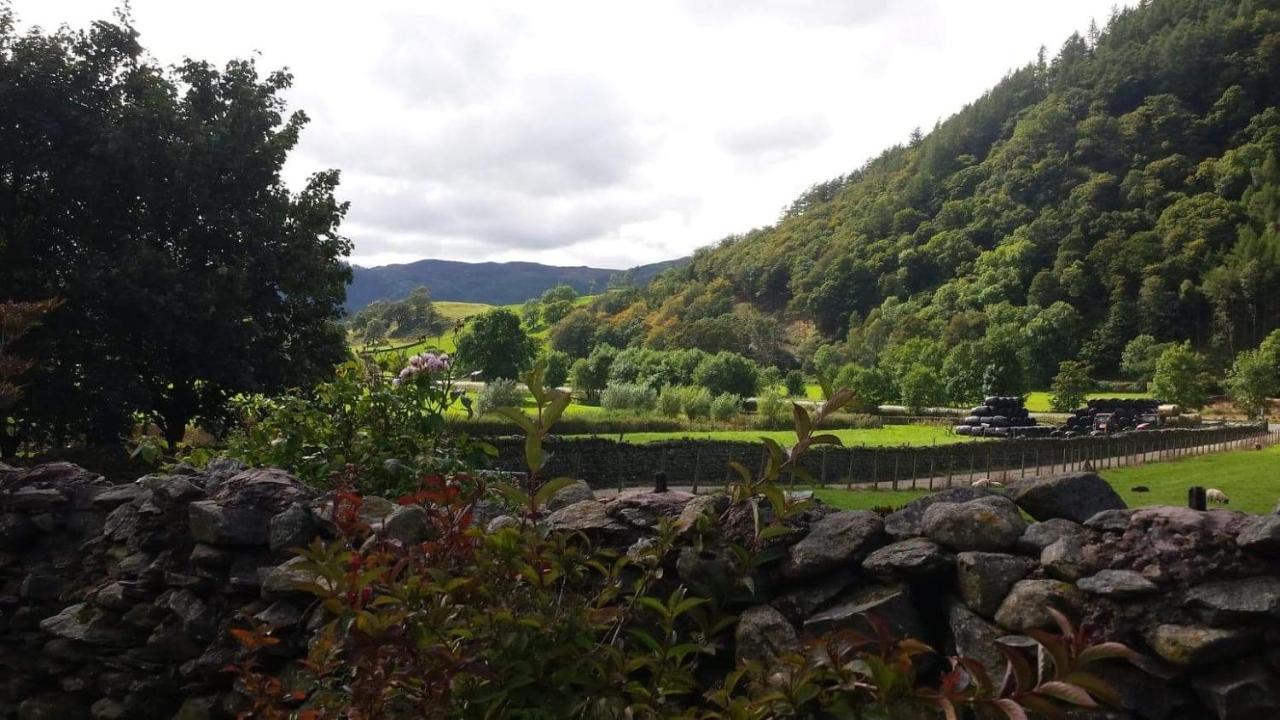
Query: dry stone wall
x=609, y=463
x=115, y=600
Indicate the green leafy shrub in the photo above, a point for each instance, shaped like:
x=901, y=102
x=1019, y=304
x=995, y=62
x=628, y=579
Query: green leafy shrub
x=557, y=364
x=795, y=383
x=1070, y=386
x=727, y=372
x=635, y=397
x=695, y=402
x=871, y=387
x=725, y=407
x=382, y=427
x=502, y=392
x=772, y=410
x=670, y=401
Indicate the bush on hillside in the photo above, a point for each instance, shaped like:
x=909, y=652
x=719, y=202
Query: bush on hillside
x=725, y=407
x=727, y=372
x=773, y=410
x=795, y=383
x=495, y=394
x=634, y=397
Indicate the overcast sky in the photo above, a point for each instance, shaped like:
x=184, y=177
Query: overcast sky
x=597, y=132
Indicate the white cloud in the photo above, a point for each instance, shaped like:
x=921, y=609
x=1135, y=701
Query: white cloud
x=581, y=132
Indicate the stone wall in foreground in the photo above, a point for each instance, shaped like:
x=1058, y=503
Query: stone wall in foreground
x=115, y=600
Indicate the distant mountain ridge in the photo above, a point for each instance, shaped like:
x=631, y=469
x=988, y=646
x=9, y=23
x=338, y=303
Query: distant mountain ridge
x=488, y=282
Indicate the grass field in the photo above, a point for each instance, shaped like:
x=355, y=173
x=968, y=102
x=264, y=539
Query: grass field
x=1250, y=478
x=888, y=435
x=1038, y=401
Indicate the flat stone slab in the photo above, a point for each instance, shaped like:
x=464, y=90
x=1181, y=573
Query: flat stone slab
x=1117, y=583
x=1200, y=645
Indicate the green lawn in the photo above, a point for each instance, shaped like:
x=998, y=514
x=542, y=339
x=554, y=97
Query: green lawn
x=459, y=310
x=874, y=437
x=1038, y=401
x=1250, y=478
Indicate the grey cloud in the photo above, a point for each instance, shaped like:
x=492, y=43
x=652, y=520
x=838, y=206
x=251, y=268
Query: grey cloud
x=549, y=135
x=779, y=136
x=800, y=12
x=490, y=219
x=435, y=59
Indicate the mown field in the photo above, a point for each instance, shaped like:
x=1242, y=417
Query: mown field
x=1251, y=478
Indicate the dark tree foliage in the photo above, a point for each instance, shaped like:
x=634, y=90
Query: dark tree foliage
x=1127, y=186
x=496, y=344
x=150, y=201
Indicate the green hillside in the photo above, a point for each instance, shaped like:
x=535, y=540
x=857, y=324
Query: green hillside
x=1125, y=185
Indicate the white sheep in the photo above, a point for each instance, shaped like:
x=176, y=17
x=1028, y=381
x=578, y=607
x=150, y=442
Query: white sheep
x=986, y=483
x=1214, y=495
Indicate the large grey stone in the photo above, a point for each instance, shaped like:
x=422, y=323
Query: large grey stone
x=976, y=638
x=53, y=706
x=800, y=602
x=763, y=634
x=834, y=542
x=408, y=525
x=16, y=529
x=589, y=517
x=909, y=521
x=217, y=524
x=1239, y=691
x=988, y=524
x=1200, y=645
x=86, y=623
x=33, y=500
x=1040, y=535
x=578, y=491
x=984, y=579
x=1261, y=535
x=1109, y=521
x=292, y=529
x=1117, y=583
x=117, y=495
x=711, y=570
x=911, y=559
x=1074, y=496
x=891, y=603
x=1252, y=599
x=174, y=488
x=1065, y=559
x=287, y=579
x=1025, y=606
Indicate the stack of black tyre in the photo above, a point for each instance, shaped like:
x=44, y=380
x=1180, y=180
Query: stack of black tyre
x=1000, y=416
x=1102, y=416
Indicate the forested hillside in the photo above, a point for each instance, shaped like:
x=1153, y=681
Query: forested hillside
x=1126, y=186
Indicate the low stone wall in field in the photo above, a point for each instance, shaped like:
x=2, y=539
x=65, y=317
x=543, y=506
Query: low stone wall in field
x=607, y=463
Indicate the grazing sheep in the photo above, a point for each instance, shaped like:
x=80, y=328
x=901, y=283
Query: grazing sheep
x=987, y=483
x=1214, y=495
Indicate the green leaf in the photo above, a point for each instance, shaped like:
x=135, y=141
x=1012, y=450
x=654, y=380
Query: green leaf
x=518, y=417
x=533, y=454
x=511, y=493
x=559, y=401
x=801, y=417
x=741, y=470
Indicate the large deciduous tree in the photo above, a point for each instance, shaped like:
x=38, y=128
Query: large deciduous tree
x=151, y=201
x=497, y=345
